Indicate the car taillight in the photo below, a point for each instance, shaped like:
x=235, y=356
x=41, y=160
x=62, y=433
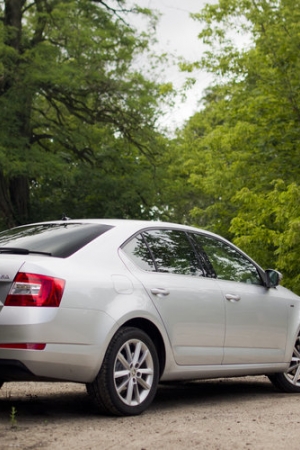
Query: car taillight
x=30, y=289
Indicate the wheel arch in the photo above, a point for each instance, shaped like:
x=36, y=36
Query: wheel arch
x=155, y=335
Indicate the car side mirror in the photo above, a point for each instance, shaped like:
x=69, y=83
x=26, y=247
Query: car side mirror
x=273, y=278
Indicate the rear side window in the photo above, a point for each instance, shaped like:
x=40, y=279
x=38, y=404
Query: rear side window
x=139, y=253
x=168, y=251
x=60, y=240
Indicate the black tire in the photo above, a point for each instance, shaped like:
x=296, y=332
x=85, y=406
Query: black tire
x=289, y=381
x=127, y=381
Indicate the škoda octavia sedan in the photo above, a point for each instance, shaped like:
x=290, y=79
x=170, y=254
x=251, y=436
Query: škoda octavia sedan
x=122, y=305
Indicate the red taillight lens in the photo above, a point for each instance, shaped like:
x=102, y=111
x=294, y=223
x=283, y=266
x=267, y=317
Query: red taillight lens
x=24, y=346
x=30, y=289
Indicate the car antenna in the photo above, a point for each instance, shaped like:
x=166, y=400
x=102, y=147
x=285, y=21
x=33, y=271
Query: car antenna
x=64, y=217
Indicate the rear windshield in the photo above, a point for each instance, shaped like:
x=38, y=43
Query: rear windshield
x=60, y=240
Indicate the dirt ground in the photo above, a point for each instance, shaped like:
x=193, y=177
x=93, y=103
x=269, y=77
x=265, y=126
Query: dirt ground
x=241, y=413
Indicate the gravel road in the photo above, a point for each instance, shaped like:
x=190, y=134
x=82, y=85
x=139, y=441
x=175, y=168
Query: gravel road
x=237, y=413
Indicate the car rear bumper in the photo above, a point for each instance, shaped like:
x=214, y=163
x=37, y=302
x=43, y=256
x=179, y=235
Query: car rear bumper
x=60, y=362
x=73, y=343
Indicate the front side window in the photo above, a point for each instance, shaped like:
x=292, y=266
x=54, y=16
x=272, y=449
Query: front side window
x=226, y=261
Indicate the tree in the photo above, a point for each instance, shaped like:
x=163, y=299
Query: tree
x=69, y=93
x=121, y=182
x=246, y=137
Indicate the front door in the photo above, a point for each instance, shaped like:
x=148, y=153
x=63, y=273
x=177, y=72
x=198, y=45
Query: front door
x=256, y=317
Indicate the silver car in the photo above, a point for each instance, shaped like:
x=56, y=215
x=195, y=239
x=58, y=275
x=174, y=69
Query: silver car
x=122, y=305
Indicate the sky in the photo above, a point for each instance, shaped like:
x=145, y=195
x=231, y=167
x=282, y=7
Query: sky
x=177, y=33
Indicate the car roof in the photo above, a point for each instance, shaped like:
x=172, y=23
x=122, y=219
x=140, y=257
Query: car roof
x=133, y=226
x=129, y=227
x=130, y=224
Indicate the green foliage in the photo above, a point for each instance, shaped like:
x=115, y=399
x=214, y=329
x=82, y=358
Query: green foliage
x=69, y=93
x=120, y=183
x=13, y=417
x=232, y=154
x=269, y=228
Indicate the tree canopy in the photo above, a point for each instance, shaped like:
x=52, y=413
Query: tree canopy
x=79, y=115
x=239, y=155
x=72, y=98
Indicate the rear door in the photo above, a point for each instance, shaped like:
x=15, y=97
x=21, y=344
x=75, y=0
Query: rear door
x=191, y=305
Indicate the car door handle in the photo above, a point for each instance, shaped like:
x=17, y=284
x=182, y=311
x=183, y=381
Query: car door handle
x=232, y=298
x=160, y=292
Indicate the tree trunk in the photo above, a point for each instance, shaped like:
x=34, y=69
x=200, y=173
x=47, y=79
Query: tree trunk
x=13, y=18
x=14, y=190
